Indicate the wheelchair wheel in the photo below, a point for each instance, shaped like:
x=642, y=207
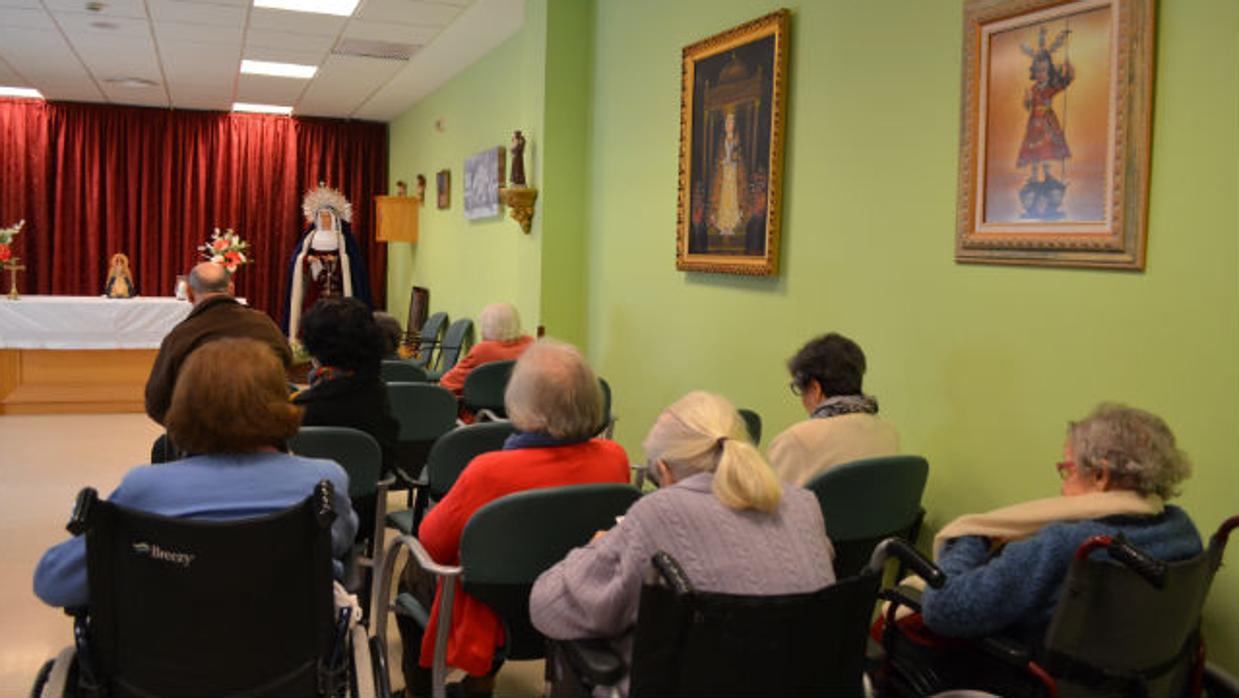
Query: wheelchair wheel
x=40, y=679
x=54, y=679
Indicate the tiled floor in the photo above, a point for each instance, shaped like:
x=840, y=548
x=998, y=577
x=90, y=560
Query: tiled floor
x=44, y=461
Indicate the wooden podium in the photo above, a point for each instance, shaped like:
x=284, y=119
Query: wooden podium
x=397, y=218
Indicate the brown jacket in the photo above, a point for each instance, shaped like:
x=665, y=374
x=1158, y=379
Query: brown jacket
x=213, y=318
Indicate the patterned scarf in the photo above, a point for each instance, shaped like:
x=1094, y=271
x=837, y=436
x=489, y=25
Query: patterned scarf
x=326, y=374
x=846, y=404
x=537, y=439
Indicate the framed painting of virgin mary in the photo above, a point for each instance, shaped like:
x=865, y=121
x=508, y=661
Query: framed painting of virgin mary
x=732, y=112
x=1054, y=138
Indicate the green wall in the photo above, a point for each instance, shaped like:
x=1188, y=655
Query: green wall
x=979, y=366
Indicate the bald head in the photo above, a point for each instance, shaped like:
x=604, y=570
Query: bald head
x=209, y=279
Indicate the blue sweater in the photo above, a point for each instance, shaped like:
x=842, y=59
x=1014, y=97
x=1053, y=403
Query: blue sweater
x=218, y=487
x=1014, y=592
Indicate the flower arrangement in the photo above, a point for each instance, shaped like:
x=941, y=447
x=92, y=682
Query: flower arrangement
x=226, y=249
x=6, y=240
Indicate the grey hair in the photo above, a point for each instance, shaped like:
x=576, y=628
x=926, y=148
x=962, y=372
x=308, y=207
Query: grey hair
x=553, y=390
x=209, y=283
x=500, y=322
x=1135, y=446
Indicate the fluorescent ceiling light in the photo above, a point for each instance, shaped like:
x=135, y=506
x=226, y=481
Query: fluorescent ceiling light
x=283, y=70
x=341, y=8
x=20, y=92
x=261, y=108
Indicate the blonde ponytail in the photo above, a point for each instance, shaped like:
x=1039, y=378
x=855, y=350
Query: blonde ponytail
x=702, y=432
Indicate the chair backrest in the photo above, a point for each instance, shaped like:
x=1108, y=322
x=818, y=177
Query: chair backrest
x=607, y=419
x=867, y=500
x=752, y=422
x=397, y=371
x=456, y=342
x=455, y=449
x=425, y=412
x=697, y=643
x=510, y=541
x=355, y=450
x=183, y=607
x=1135, y=621
x=484, y=386
x=429, y=338
x=419, y=307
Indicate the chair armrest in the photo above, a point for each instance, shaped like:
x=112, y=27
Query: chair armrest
x=592, y=660
x=910, y=557
x=403, y=477
x=1006, y=650
x=902, y=596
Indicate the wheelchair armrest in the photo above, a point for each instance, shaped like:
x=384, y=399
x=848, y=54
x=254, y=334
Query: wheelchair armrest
x=593, y=660
x=910, y=557
x=902, y=596
x=1006, y=650
x=1219, y=684
x=83, y=507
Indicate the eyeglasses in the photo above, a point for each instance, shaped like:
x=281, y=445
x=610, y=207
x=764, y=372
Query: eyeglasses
x=796, y=388
x=1065, y=468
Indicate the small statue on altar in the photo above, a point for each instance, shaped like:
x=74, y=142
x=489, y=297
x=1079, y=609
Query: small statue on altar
x=120, y=280
x=327, y=262
x=518, y=160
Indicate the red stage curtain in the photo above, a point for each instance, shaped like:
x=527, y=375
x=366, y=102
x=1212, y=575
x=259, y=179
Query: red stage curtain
x=91, y=180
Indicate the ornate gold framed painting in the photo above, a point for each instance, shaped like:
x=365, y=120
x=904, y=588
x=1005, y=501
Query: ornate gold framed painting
x=732, y=111
x=1054, y=152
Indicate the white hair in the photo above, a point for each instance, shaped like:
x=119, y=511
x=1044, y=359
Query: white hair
x=553, y=390
x=1136, y=447
x=500, y=322
x=702, y=432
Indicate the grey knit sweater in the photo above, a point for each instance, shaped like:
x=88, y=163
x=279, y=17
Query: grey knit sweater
x=594, y=592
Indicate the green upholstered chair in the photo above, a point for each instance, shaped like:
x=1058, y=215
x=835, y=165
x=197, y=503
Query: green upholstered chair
x=457, y=341
x=868, y=500
x=362, y=458
x=429, y=338
x=447, y=460
x=483, y=390
x=752, y=422
x=398, y=371
x=424, y=412
x=608, y=420
x=503, y=549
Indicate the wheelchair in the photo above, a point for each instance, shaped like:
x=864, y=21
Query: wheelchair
x=194, y=608
x=690, y=642
x=1124, y=626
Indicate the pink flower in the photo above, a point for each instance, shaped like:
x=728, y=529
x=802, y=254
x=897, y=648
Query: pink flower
x=220, y=244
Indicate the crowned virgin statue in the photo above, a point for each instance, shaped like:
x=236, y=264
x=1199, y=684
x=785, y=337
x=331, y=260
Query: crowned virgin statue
x=327, y=263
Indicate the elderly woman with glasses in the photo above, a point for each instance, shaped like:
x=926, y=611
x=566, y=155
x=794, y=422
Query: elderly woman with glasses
x=843, y=425
x=1005, y=569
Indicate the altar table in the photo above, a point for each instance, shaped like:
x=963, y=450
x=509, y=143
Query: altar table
x=80, y=354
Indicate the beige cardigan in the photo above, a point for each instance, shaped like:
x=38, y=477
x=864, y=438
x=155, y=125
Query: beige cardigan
x=811, y=447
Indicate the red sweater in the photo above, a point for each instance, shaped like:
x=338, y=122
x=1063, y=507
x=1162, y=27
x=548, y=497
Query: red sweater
x=476, y=631
x=483, y=352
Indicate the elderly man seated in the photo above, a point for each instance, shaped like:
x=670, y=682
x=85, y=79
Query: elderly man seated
x=555, y=403
x=502, y=340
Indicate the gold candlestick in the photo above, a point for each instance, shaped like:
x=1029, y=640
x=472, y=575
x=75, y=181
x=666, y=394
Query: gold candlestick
x=13, y=268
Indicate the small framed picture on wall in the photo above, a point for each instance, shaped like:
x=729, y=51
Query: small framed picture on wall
x=1054, y=151
x=443, y=188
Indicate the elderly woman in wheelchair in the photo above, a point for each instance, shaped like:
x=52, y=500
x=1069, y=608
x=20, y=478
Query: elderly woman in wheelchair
x=721, y=513
x=1005, y=569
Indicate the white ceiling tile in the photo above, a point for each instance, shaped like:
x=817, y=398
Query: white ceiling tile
x=192, y=91
x=390, y=31
x=78, y=26
x=285, y=55
x=143, y=96
x=111, y=8
x=269, y=39
x=172, y=33
x=79, y=92
x=346, y=81
x=264, y=89
x=296, y=22
x=229, y=16
x=9, y=78
x=26, y=18
x=432, y=14
x=204, y=102
x=27, y=4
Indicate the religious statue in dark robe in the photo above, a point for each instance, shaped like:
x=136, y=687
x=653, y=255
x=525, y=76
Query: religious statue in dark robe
x=327, y=263
x=518, y=160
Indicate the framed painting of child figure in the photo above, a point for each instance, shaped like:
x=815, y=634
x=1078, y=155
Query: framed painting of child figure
x=732, y=111
x=1054, y=151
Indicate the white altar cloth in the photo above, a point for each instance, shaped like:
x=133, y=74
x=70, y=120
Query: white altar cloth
x=88, y=322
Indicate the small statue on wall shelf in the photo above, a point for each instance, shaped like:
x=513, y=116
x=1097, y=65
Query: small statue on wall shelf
x=518, y=160
x=421, y=187
x=402, y=189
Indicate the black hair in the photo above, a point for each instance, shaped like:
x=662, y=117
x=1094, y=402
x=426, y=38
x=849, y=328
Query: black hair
x=341, y=332
x=834, y=361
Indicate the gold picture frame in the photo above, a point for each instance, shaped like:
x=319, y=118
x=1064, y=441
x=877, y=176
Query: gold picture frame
x=732, y=122
x=1055, y=133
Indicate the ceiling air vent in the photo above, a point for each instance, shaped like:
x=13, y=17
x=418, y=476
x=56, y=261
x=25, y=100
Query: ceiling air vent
x=385, y=50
